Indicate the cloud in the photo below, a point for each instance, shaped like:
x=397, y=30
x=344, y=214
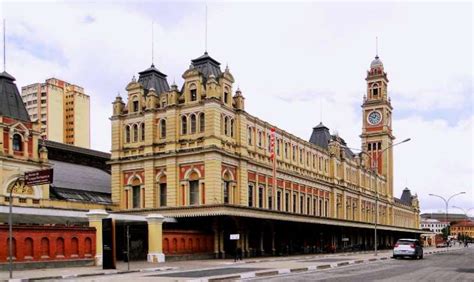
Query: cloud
x=291, y=61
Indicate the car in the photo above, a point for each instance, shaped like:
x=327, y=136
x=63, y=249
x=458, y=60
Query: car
x=408, y=248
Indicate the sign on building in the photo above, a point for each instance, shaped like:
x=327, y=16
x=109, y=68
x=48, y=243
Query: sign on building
x=39, y=177
x=234, y=236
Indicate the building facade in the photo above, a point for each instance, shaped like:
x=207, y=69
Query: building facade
x=433, y=225
x=465, y=228
x=63, y=110
x=193, y=153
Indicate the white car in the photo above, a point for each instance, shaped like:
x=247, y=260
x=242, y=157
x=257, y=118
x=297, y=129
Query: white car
x=408, y=248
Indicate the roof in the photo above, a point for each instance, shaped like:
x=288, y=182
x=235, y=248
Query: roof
x=466, y=223
x=79, y=196
x=153, y=78
x=206, y=65
x=11, y=104
x=66, y=147
x=320, y=136
x=406, y=196
x=376, y=62
x=80, y=177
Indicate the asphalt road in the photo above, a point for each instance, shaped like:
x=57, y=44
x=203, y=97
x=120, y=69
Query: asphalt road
x=451, y=266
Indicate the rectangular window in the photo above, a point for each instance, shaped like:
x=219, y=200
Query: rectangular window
x=278, y=200
x=320, y=207
x=260, y=197
x=226, y=191
x=270, y=198
x=250, y=192
x=250, y=136
x=163, y=193
x=294, y=153
x=301, y=204
x=315, y=206
x=194, y=192
x=193, y=95
x=294, y=202
x=136, y=197
x=287, y=202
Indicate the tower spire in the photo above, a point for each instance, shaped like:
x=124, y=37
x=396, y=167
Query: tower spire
x=152, y=44
x=4, y=48
x=205, y=33
x=376, y=46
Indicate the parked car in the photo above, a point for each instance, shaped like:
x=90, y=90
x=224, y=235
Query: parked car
x=408, y=248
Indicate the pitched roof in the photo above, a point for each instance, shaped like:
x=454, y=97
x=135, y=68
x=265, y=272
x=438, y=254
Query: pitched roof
x=406, y=196
x=80, y=177
x=66, y=147
x=11, y=104
x=320, y=136
x=206, y=65
x=153, y=78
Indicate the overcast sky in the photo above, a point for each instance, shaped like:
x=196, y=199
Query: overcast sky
x=296, y=64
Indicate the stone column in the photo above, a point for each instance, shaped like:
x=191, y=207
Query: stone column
x=221, y=244
x=95, y=220
x=155, y=238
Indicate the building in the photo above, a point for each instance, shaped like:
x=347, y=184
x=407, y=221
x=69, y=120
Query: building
x=194, y=154
x=63, y=110
x=465, y=228
x=433, y=225
x=443, y=216
x=50, y=221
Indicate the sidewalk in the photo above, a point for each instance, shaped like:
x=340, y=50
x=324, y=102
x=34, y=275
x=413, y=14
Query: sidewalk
x=269, y=266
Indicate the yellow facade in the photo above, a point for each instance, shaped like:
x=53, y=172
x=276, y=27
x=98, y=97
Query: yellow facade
x=63, y=110
x=203, y=146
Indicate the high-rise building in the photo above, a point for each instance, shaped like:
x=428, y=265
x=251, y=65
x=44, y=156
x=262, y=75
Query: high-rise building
x=63, y=110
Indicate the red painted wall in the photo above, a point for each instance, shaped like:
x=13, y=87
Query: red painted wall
x=177, y=242
x=43, y=243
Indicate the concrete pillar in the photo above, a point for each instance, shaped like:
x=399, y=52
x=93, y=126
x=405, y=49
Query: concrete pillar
x=216, y=243
x=155, y=238
x=262, y=251
x=95, y=220
x=221, y=244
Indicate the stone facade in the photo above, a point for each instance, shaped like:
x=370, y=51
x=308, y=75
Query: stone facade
x=198, y=146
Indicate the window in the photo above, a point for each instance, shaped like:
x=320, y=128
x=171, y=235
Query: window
x=259, y=138
x=17, y=143
x=315, y=206
x=308, y=205
x=326, y=202
x=226, y=192
x=193, y=123
x=301, y=203
x=135, y=106
x=136, y=197
x=269, y=141
x=294, y=202
x=226, y=126
x=286, y=150
x=135, y=133
x=231, y=127
x=202, y=122
x=250, y=135
x=278, y=147
x=184, y=125
x=142, y=131
x=294, y=153
x=301, y=155
x=270, y=198
x=376, y=92
x=250, y=196
x=163, y=192
x=287, y=201
x=226, y=97
x=278, y=200
x=260, y=197
x=163, y=128
x=193, y=95
x=194, y=192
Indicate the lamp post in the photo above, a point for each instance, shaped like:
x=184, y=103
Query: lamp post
x=447, y=204
x=373, y=169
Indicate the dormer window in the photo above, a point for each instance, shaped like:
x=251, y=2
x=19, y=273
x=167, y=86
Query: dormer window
x=17, y=143
x=135, y=106
x=226, y=97
x=193, y=95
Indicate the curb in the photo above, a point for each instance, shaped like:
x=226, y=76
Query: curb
x=274, y=272
x=103, y=273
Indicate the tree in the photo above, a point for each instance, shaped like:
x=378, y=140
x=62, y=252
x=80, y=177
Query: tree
x=446, y=231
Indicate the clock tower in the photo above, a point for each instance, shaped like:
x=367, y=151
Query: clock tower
x=377, y=123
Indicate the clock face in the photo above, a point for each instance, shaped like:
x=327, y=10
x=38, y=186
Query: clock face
x=374, y=117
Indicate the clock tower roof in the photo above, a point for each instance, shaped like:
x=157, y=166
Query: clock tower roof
x=376, y=63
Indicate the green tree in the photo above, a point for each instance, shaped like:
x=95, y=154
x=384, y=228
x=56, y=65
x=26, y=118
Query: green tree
x=446, y=231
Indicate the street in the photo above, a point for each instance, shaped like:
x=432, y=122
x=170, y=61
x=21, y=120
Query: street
x=451, y=266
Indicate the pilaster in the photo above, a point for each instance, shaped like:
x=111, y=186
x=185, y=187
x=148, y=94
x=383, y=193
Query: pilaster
x=95, y=220
x=155, y=238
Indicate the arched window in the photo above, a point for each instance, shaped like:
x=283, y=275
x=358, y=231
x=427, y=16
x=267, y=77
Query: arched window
x=226, y=126
x=59, y=247
x=127, y=134
x=163, y=128
x=135, y=133
x=231, y=127
x=136, y=191
x=184, y=125
x=135, y=105
x=193, y=123
x=28, y=249
x=74, y=247
x=142, y=131
x=250, y=135
x=17, y=143
x=194, y=188
x=202, y=123
x=45, y=248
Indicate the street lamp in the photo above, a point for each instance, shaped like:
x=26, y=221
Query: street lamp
x=373, y=167
x=447, y=204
